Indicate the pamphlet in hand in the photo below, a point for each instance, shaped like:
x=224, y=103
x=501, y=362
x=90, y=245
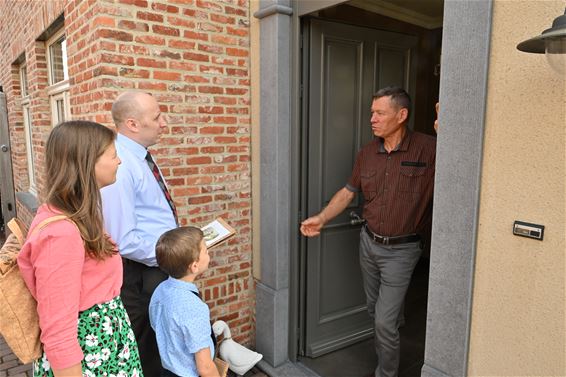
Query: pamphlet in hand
x=216, y=232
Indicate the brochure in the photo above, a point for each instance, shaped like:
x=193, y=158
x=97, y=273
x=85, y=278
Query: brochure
x=216, y=232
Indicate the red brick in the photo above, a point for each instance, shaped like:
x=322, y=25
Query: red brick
x=183, y=65
x=236, y=91
x=197, y=57
x=116, y=59
x=178, y=21
x=150, y=39
x=212, y=149
x=137, y=3
x=150, y=16
x=213, y=28
x=211, y=89
x=199, y=160
x=164, y=7
x=201, y=200
x=130, y=25
x=165, y=30
x=114, y=34
x=209, y=5
x=181, y=44
x=236, y=52
x=210, y=110
x=239, y=12
x=104, y=20
x=223, y=40
x=225, y=120
x=211, y=130
x=189, y=34
x=222, y=19
x=225, y=139
x=134, y=73
x=241, y=32
x=145, y=62
x=236, y=72
x=225, y=100
x=164, y=75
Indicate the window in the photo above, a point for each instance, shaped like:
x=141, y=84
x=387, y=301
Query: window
x=58, y=90
x=27, y=128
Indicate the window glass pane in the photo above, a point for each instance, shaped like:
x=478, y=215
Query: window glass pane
x=60, y=104
x=29, y=147
x=58, y=60
x=24, y=81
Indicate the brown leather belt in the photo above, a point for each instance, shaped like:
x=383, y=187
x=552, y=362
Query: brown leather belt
x=384, y=240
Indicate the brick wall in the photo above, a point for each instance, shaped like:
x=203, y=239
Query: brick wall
x=193, y=56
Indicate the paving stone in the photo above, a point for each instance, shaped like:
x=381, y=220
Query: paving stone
x=19, y=370
x=8, y=365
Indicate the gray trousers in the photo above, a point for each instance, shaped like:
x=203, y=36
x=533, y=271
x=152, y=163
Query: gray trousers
x=386, y=272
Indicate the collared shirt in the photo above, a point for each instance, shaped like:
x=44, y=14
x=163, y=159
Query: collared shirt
x=135, y=209
x=181, y=321
x=397, y=186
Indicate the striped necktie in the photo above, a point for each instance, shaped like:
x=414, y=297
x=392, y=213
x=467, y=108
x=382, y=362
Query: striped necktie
x=153, y=167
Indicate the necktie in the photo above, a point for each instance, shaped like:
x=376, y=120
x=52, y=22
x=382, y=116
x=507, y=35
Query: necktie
x=153, y=167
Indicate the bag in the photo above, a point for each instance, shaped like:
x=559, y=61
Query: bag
x=19, y=322
x=222, y=366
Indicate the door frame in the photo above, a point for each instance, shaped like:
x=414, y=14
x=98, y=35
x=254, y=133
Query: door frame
x=463, y=87
x=7, y=196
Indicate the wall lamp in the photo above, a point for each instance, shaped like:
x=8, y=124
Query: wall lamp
x=552, y=43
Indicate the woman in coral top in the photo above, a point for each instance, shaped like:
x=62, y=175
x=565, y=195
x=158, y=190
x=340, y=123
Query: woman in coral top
x=72, y=267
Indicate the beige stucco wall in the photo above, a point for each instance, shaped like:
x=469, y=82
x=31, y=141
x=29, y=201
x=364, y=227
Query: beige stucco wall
x=518, y=319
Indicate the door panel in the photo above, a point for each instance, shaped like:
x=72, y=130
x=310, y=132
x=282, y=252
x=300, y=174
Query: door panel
x=346, y=64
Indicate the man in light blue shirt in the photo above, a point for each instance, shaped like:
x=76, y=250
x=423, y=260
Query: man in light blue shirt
x=137, y=209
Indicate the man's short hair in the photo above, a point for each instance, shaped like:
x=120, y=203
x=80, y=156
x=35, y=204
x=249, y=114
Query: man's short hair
x=399, y=97
x=126, y=106
x=177, y=249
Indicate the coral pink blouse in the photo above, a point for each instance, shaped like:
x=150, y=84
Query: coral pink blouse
x=64, y=280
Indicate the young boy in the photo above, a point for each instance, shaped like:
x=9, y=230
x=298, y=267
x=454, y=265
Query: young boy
x=180, y=318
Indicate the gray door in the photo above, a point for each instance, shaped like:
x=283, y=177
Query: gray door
x=345, y=66
x=6, y=180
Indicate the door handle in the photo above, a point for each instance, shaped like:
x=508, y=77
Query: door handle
x=355, y=219
x=4, y=148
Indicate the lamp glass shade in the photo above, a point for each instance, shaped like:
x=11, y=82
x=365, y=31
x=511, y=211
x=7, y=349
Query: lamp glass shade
x=555, y=51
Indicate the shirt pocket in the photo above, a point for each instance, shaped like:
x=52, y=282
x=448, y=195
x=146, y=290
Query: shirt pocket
x=369, y=185
x=412, y=179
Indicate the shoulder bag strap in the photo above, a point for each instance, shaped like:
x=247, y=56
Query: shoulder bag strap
x=47, y=221
x=18, y=229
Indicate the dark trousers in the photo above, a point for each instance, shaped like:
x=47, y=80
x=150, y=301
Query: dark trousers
x=168, y=373
x=139, y=283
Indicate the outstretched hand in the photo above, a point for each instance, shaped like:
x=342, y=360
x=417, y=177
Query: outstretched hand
x=311, y=227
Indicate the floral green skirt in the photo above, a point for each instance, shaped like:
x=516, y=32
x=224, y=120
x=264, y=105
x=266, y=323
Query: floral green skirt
x=108, y=343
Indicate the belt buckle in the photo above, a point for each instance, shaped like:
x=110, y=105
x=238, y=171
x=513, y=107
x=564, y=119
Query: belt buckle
x=385, y=240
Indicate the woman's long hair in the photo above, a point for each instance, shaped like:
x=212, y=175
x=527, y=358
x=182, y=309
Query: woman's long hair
x=72, y=150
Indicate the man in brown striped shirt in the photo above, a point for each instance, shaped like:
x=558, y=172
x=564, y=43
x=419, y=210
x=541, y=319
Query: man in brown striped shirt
x=395, y=173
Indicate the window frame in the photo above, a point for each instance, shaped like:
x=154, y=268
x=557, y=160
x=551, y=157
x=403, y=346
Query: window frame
x=28, y=132
x=58, y=91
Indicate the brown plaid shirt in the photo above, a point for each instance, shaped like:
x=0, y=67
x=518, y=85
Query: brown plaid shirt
x=397, y=186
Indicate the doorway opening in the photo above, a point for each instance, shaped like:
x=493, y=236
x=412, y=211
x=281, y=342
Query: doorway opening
x=349, y=51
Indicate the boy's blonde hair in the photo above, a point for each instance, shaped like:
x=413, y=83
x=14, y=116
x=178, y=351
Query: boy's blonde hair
x=177, y=248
